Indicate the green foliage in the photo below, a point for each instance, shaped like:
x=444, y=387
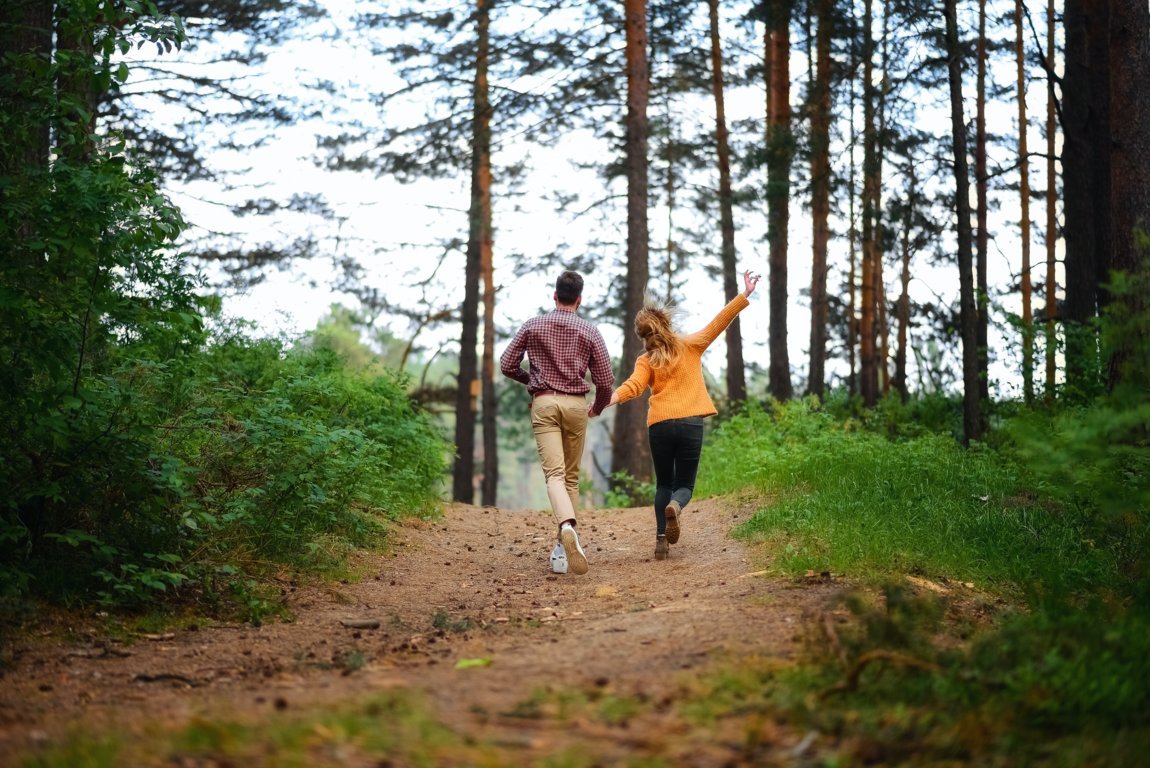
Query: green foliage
x=1053, y=510
x=626, y=491
x=1043, y=688
x=854, y=501
x=253, y=455
x=1064, y=668
x=86, y=275
x=1095, y=458
x=149, y=457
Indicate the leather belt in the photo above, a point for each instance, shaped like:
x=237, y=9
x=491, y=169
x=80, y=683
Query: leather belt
x=552, y=392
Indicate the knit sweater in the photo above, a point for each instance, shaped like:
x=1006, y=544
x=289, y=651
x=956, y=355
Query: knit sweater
x=679, y=390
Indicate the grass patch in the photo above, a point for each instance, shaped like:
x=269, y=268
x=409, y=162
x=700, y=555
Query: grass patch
x=855, y=502
x=390, y=729
x=1051, y=518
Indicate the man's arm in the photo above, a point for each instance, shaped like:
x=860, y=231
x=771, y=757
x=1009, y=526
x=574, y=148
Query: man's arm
x=511, y=361
x=601, y=374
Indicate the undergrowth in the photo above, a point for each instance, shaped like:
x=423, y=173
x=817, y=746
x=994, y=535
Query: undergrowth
x=1049, y=524
x=230, y=463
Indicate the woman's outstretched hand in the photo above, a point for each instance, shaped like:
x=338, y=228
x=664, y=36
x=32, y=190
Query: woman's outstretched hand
x=750, y=281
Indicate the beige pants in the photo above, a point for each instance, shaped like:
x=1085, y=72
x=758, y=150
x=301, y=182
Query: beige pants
x=560, y=426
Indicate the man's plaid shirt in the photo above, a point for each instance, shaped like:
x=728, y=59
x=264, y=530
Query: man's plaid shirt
x=560, y=347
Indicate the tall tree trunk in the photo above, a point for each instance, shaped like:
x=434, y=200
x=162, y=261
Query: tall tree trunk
x=904, y=285
x=1024, y=207
x=1051, y=298
x=481, y=223
x=868, y=354
x=852, y=328
x=883, y=367
x=670, y=187
x=631, y=451
x=982, y=241
x=780, y=151
x=26, y=32
x=1102, y=140
x=75, y=82
x=468, y=385
x=767, y=73
x=1086, y=184
x=1130, y=190
x=820, y=196
x=971, y=418
x=736, y=376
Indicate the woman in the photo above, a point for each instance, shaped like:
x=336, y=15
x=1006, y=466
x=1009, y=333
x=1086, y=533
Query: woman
x=672, y=367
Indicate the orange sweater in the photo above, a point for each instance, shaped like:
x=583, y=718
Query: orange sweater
x=679, y=390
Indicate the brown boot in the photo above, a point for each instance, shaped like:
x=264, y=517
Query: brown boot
x=673, y=511
x=661, y=548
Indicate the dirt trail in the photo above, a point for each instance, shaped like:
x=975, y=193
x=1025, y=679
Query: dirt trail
x=475, y=584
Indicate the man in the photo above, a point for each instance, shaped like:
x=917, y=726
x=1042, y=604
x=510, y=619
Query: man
x=561, y=347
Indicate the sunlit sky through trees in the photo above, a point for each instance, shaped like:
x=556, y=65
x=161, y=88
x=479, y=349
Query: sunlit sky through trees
x=392, y=228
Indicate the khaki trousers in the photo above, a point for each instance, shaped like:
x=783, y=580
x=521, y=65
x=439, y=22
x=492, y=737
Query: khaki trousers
x=560, y=426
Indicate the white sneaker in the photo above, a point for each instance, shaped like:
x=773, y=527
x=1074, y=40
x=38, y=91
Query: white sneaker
x=558, y=558
x=576, y=560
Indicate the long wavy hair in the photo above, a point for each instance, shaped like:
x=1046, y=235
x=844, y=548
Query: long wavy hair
x=653, y=324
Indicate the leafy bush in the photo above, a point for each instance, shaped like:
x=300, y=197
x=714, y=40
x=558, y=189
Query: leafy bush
x=287, y=445
x=626, y=491
x=145, y=454
x=1057, y=668
x=246, y=455
x=1094, y=459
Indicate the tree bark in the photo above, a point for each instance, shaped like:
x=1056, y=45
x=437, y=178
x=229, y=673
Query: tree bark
x=780, y=151
x=1086, y=184
x=25, y=31
x=982, y=236
x=736, y=376
x=482, y=224
x=75, y=83
x=1024, y=208
x=852, y=329
x=971, y=418
x=883, y=366
x=868, y=325
x=820, y=196
x=1130, y=182
x=631, y=450
x=1051, y=298
x=670, y=187
x=900, y=358
x=468, y=384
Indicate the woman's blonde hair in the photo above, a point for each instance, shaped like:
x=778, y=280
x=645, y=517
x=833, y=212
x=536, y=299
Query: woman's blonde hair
x=653, y=324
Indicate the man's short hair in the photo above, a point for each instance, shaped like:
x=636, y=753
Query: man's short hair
x=569, y=287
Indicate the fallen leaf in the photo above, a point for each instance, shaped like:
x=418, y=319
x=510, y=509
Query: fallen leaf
x=472, y=663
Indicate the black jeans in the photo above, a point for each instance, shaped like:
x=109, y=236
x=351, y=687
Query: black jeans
x=676, y=445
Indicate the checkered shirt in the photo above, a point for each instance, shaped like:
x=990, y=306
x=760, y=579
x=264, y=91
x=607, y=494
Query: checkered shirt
x=560, y=347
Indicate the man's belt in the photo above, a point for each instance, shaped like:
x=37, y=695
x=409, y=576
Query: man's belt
x=553, y=392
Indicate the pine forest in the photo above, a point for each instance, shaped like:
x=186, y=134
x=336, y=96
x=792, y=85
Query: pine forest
x=260, y=261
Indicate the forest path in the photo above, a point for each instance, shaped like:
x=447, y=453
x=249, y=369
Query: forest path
x=473, y=585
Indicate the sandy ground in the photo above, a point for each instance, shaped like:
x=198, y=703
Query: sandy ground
x=473, y=585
